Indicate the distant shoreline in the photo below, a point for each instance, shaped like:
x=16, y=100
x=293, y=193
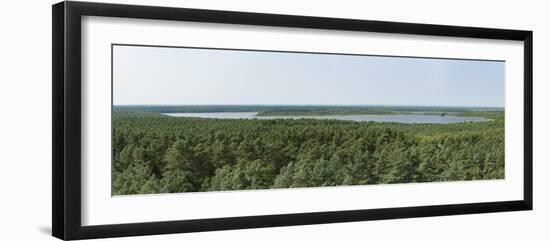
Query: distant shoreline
x=312, y=105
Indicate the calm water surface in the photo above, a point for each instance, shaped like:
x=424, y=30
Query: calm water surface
x=423, y=119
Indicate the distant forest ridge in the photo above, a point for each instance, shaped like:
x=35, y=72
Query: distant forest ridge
x=300, y=109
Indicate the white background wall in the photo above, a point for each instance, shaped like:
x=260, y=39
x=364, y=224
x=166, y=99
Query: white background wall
x=25, y=123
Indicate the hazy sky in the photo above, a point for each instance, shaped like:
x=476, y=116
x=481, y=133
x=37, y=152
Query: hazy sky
x=183, y=76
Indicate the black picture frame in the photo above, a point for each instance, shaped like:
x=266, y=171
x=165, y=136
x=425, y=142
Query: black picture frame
x=66, y=127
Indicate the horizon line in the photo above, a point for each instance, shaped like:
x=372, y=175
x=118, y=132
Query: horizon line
x=328, y=105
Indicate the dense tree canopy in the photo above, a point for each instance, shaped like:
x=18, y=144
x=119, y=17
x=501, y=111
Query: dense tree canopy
x=160, y=154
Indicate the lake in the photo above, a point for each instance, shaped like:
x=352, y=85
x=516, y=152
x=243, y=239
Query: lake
x=418, y=119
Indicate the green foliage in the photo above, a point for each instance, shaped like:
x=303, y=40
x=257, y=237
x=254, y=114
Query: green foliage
x=132, y=180
x=160, y=154
x=244, y=175
x=177, y=181
x=308, y=173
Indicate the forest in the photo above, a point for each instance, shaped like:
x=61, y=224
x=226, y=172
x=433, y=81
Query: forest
x=155, y=153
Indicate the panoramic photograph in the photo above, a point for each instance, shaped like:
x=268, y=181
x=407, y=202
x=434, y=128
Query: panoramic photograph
x=202, y=119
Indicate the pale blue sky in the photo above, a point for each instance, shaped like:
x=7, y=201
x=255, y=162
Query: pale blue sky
x=183, y=76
